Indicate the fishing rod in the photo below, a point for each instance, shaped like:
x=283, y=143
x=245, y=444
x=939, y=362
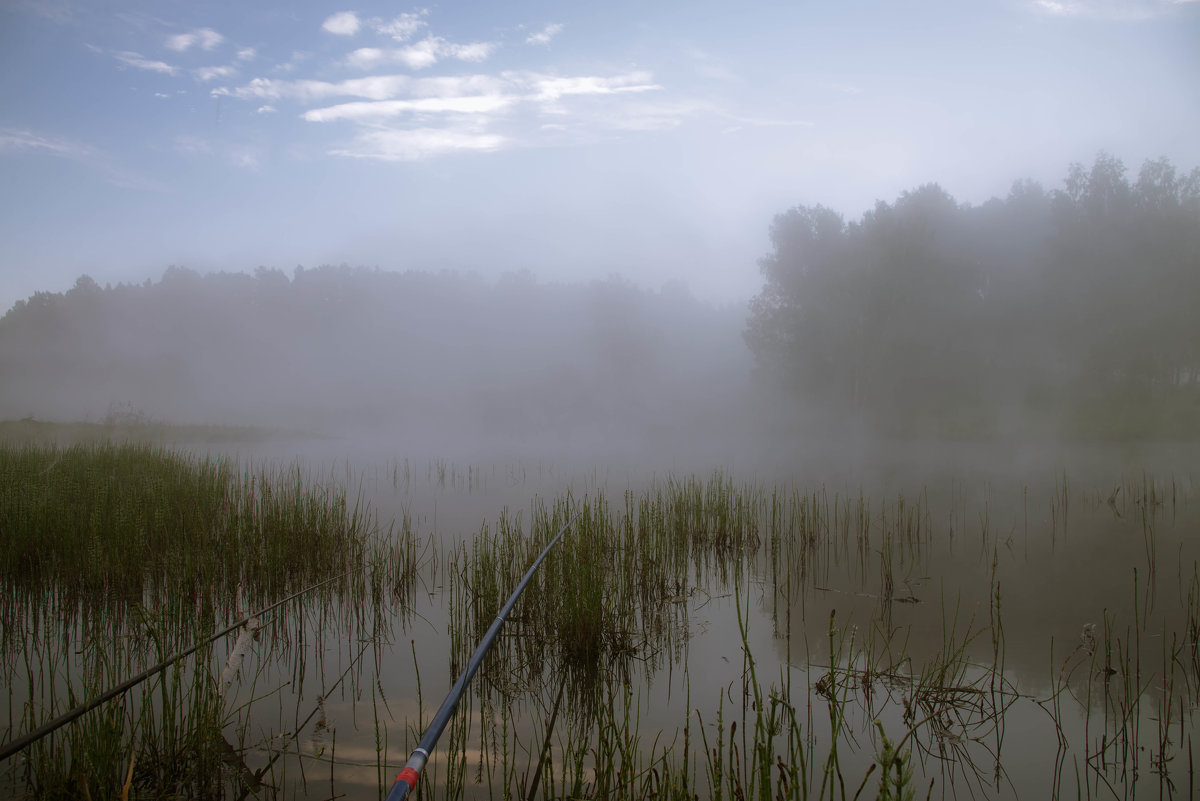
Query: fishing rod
x=32, y=737
x=406, y=780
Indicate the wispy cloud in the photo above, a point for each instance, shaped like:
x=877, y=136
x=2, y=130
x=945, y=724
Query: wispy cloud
x=544, y=36
x=376, y=87
x=416, y=115
x=13, y=140
x=204, y=38
x=475, y=52
x=343, y=23
x=420, y=55
x=246, y=54
x=403, y=27
x=446, y=113
x=549, y=88
x=364, y=111
x=1056, y=8
x=131, y=59
x=527, y=85
x=417, y=144
x=205, y=74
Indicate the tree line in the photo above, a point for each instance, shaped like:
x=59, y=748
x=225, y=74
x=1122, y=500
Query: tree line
x=420, y=352
x=1067, y=311
x=1072, y=310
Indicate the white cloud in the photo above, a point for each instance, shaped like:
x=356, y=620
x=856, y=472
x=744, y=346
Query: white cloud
x=205, y=74
x=549, y=88
x=161, y=94
x=343, y=23
x=376, y=87
x=417, y=144
x=545, y=34
x=204, y=38
x=453, y=113
x=267, y=108
x=524, y=85
x=420, y=55
x=401, y=28
x=456, y=85
x=1056, y=8
x=298, y=57
x=360, y=111
x=366, y=58
x=132, y=59
x=475, y=52
x=246, y=54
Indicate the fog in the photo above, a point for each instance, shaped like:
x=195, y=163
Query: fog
x=1052, y=317
x=865, y=315
x=816, y=240
x=443, y=365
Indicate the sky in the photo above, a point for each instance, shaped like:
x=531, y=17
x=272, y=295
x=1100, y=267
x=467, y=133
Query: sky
x=650, y=140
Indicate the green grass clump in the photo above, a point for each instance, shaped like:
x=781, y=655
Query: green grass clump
x=115, y=557
x=120, y=522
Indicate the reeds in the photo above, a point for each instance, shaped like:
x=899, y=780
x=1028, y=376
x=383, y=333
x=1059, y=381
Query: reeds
x=115, y=557
x=905, y=691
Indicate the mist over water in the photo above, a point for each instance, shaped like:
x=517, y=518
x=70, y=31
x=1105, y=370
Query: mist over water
x=863, y=340
x=939, y=473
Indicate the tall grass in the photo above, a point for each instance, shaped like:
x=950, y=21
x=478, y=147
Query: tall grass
x=114, y=557
x=902, y=692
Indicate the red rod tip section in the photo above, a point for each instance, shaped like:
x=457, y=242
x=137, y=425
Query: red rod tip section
x=409, y=777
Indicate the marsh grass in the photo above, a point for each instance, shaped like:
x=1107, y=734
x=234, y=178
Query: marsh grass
x=897, y=720
x=117, y=556
x=131, y=524
x=905, y=691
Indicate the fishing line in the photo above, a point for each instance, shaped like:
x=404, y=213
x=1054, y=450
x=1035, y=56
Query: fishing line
x=40, y=732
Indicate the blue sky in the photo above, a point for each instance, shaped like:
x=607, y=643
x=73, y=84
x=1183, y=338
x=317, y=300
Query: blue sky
x=651, y=140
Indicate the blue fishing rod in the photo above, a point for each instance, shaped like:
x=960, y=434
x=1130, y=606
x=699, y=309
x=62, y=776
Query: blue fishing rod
x=406, y=780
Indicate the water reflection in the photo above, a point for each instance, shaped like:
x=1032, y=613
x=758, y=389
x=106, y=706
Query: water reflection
x=1001, y=630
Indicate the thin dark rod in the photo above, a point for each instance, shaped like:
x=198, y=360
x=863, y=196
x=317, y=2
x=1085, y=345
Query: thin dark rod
x=407, y=778
x=40, y=732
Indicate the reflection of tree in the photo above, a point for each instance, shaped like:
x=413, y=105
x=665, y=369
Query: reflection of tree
x=927, y=308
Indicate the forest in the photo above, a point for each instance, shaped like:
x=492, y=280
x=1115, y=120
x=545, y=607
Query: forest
x=1050, y=313
x=432, y=359
x=1070, y=311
